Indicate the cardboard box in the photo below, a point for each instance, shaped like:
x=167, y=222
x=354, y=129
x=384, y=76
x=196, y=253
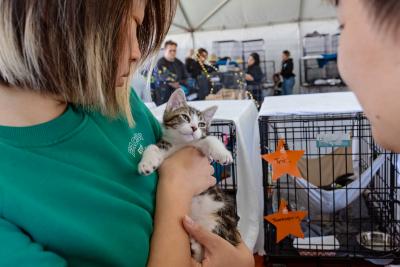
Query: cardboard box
x=227, y=94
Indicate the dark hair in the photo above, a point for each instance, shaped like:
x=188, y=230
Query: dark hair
x=201, y=51
x=170, y=42
x=385, y=12
x=256, y=57
x=72, y=49
x=286, y=52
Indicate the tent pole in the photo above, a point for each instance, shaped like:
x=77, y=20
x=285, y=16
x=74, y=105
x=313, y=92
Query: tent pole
x=180, y=27
x=185, y=16
x=301, y=47
x=193, y=40
x=190, y=29
x=211, y=14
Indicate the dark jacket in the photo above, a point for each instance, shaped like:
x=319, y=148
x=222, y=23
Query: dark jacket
x=194, y=69
x=287, y=69
x=176, y=68
x=257, y=74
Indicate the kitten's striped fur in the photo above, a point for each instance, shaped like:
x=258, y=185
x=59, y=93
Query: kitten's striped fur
x=212, y=209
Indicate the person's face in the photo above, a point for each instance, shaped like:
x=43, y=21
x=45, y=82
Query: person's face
x=369, y=62
x=250, y=61
x=170, y=52
x=284, y=57
x=130, y=52
x=203, y=57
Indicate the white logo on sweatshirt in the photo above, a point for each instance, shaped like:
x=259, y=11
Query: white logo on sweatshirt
x=135, y=147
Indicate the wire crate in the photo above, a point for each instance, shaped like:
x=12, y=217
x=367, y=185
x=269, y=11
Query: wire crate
x=225, y=130
x=270, y=71
x=350, y=188
x=315, y=44
x=335, y=38
x=228, y=48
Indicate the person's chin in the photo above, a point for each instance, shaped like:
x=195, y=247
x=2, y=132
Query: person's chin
x=385, y=141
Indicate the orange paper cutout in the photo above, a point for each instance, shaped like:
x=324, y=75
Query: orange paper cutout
x=286, y=222
x=284, y=161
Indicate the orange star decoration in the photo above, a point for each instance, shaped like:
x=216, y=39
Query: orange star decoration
x=286, y=222
x=284, y=161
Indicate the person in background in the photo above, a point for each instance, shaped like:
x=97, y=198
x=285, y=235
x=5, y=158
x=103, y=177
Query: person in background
x=171, y=69
x=287, y=73
x=200, y=61
x=254, y=74
x=200, y=73
x=276, y=78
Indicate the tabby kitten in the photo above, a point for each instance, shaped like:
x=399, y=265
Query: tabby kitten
x=186, y=126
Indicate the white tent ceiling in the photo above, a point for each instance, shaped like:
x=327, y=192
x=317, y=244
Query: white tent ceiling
x=208, y=15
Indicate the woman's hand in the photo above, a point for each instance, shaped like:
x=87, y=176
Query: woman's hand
x=218, y=252
x=188, y=171
x=183, y=175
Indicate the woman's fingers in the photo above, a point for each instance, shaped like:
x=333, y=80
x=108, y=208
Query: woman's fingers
x=212, y=170
x=209, y=240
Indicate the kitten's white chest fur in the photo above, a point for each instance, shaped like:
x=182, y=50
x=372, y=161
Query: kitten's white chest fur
x=203, y=209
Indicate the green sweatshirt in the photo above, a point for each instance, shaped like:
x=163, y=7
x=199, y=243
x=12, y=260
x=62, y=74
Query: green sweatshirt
x=70, y=193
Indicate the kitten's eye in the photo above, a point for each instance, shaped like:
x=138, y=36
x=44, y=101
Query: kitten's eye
x=202, y=125
x=185, y=117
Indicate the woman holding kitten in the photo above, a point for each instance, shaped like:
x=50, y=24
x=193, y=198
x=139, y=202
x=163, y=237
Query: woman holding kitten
x=71, y=137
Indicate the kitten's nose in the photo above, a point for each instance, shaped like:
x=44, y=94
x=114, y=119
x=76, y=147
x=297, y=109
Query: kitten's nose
x=194, y=128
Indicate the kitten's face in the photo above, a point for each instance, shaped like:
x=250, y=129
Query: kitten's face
x=185, y=123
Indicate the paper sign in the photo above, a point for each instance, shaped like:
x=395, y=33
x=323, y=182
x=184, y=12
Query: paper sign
x=333, y=140
x=284, y=161
x=286, y=222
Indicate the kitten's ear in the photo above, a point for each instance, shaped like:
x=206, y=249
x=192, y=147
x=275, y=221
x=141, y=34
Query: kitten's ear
x=176, y=100
x=209, y=113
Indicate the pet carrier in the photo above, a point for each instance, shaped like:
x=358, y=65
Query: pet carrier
x=318, y=66
x=225, y=131
x=349, y=187
x=228, y=48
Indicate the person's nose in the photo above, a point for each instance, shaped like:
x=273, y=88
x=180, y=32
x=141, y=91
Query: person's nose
x=135, y=53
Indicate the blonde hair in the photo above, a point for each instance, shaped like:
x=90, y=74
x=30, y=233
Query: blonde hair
x=70, y=48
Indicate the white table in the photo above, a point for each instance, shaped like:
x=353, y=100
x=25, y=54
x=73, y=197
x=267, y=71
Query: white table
x=329, y=103
x=250, y=199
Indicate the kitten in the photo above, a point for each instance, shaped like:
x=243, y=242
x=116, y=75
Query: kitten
x=186, y=126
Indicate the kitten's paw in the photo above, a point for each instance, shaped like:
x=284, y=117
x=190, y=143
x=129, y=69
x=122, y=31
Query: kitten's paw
x=222, y=156
x=150, y=162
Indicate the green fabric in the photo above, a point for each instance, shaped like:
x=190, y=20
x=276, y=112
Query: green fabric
x=70, y=193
